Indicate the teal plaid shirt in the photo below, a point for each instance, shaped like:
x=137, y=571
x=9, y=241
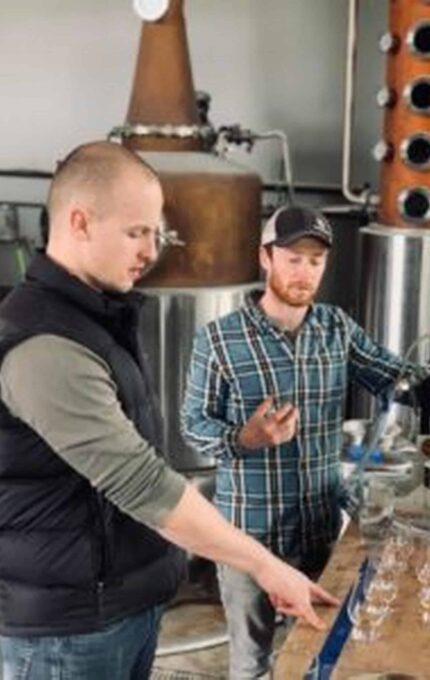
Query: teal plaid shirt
x=286, y=496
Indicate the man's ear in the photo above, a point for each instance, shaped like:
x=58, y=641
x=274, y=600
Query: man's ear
x=265, y=260
x=79, y=224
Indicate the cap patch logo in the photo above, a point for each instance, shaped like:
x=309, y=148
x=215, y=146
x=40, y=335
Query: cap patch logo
x=322, y=227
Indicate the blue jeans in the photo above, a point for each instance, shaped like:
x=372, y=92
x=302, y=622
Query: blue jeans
x=122, y=651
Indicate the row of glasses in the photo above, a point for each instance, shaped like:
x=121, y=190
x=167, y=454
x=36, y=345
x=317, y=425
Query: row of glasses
x=422, y=571
x=371, y=599
x=379, y=588
x=388, y=559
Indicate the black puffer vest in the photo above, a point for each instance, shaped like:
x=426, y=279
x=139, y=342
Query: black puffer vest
x=70, y=561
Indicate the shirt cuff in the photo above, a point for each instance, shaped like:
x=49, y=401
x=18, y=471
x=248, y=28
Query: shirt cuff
x=231, y=442
x=169, y=492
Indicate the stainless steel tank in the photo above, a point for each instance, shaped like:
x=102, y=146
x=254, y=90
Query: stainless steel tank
x=394, y=298
x=395, y=278
x=170, y=319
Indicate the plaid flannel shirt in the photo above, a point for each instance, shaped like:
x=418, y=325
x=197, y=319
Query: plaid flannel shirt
x=286, y=496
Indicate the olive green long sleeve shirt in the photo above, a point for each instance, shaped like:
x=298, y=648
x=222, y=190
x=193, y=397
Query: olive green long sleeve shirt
x=67, y=395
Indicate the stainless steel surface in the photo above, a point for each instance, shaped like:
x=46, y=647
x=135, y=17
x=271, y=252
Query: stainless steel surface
x=170, y=319
x=395, y=284
x=343, y=265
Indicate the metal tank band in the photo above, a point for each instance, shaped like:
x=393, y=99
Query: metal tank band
x=121, y=132
x=404, y=150
x=395, y=271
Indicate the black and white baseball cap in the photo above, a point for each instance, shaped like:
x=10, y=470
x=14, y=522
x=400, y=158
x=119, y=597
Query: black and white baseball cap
x=289, y=224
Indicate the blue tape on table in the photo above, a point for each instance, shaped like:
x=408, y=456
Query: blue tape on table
x=323, y=664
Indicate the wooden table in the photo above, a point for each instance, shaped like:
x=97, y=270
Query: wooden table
x=404, y=645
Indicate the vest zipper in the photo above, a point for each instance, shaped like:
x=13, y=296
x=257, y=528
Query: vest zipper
x=104, y=554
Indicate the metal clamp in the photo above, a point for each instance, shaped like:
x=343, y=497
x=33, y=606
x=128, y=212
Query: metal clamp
x=165, y=130
x=169, y=237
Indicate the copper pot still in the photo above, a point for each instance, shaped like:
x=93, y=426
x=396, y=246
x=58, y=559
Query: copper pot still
x=405, y=149
x=212, y=204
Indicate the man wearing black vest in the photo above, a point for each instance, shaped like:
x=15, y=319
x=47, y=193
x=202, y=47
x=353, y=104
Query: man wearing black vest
x=89, y=510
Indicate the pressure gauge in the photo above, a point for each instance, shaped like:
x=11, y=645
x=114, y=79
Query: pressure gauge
x=150, y=10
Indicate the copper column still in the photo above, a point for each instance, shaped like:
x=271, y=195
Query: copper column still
x=405, y=185
x=395, y=280
x=213, y=204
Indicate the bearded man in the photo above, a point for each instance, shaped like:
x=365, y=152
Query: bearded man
x=265, y=396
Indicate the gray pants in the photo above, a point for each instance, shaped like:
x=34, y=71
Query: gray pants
x=250, y=623
x=251, y=620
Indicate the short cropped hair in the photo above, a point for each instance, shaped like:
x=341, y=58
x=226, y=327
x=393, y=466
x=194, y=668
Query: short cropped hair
x=91, y=170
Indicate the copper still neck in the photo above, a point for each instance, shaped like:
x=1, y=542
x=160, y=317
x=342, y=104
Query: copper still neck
x=163, y=90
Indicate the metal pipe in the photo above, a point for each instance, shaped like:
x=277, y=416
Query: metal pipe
x=22, y=204
x=27, y=174
x=288, y=172
x=362, y=198
x=194, y=644
x=305, y=187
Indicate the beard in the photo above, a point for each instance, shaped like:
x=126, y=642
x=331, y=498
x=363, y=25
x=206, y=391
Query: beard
x=294, y=295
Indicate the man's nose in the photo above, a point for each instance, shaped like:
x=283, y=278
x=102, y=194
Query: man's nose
x=149, y=249
x=307, y=270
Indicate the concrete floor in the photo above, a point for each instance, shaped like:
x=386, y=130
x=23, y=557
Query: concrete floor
x=195, y=616
x=188, y=624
